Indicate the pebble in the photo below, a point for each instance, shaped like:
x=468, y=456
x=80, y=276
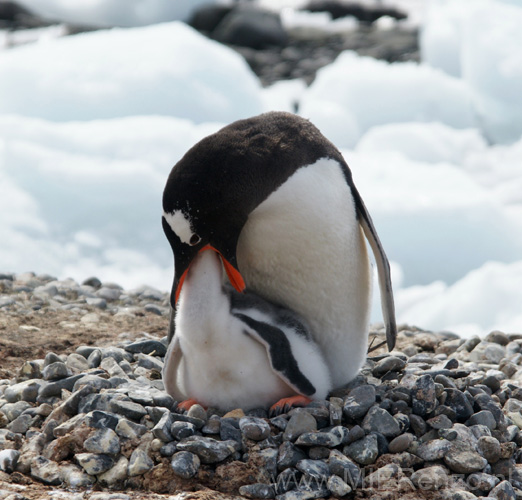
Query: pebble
x=185, y=464
x=102, y=414
x=299, y=423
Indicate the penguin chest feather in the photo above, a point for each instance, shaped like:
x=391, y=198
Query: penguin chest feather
x=303, y=247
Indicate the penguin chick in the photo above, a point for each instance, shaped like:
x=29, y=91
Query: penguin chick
x=236, y=350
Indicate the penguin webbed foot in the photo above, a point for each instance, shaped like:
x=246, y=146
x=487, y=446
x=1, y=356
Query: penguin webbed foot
x=186, y=405
x=284, y=405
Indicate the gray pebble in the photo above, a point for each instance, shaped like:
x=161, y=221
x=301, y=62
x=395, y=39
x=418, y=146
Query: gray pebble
x=257, y=490
x=424, y=399
x=128, y=409
x=338, y=487
x=8, y=460
x=23, y=391
x=116, y=475
x=21, y=424
x=55, y=371
x=483, y=482
x=208, y=449
x=162, y=429
x=254, y=428
x=110, y=294
x=185, y=464
x=315, y=468
x=94, y=463
x=45, y=470
x=401, y=443
x=346, y=469
x=489, y=448
x=198, y=412
x=148, y=346
x=299, y=423
x=180, y=430
x=463, y=460
x=359, y=402
x=94, y=358
x=365, y=451
x=433, y=450
x=103, y=441
x=430, y=478
x=14, y=410
x=74, y=477
x=388, y=364
x=289, y=455
x=149, y=362
x=379, y=420
x=139, y=463
x=483, y=417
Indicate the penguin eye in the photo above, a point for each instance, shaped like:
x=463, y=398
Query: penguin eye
x=194, y=240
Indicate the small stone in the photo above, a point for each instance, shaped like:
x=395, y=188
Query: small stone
x=401, y=443
x=482, y=481
x=90, y=318
x=489, y=448
x=112, y=367
x=149, y=362
x=45, y=470
x=104, y=441
x=315, y=468
x=346, y=469
x=208, y=449
x=185, y=464
x=430, y=478
x=56, y=371
x=328, y=439
x=23, y=391
x=213, y=425
x=129, y=430
x=433, y=450
x=237, y=413
x=14, y=410
x=424, y=398
x=359, y=402
x=463, y=460
x=168, y=449
x=116, y=475
x=384, y=477
x=162, y=429
x=74, y=477
x=108, y=293
x=76, y=363
x=365, y=451
x=440, y=422
x=229, y=431
x=254, y=428
x=139, y=463
x=388, y=364
x=299, y=423
x=128, y=409
x=257, y=490
x=21, y=424
x=458, y=401
x=103, y=419
x=94, y=463
x=198, y=412
x=379, y=420
x=337, y=486
x=483, y=417
x=94, y=359
x=97, y=302
x=336, y=411
x=289, y=455
x=180, y=430
x=503, y=491
x=8, y=460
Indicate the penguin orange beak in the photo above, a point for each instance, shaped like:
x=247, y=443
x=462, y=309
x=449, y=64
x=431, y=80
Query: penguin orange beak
x=234, y=276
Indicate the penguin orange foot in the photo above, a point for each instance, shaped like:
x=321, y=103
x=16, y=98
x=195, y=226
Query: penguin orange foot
x=285, y=404
x=187, y=404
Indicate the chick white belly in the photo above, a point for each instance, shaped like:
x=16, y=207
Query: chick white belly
x=303, y=248
x=235, y=374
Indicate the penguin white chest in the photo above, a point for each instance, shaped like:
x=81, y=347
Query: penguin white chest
x=303, y=247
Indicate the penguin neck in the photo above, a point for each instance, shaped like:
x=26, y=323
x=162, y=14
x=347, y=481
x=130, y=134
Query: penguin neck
x=202, y=295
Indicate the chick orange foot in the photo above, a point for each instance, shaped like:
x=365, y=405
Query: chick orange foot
x=283, y=405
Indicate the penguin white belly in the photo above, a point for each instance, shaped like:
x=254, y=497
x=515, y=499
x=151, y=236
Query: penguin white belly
x=304, y=248
x=232, y=373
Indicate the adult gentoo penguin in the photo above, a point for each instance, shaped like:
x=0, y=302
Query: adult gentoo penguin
x=236, y=350
x=277, y=201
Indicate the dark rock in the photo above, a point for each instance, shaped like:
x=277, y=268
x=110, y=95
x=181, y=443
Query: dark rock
x=249, y=26
x=94, y=463
x=343, y=467
x=365, y=451
x=206, y=18
x=208, y=449
x=289, y=455
x=151, y=347
x=104, y=441
x=401, y=443
x=254, y=428
x=299, y=423
x=483, y=417
x=359, y=402
x=379, y=420
x=463, y=460
x=366, y=13
x=424, y=399
x=128, y=409
x=257, y=490
x=458, y=401
x=180, y=430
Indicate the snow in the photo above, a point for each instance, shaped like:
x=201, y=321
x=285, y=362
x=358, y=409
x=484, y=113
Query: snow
x=106, y=13
x=90, y=126
x=122, y=72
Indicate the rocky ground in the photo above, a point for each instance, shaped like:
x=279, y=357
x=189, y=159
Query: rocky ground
x=83, y=414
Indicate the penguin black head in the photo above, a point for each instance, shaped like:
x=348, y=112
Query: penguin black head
x=212, y=190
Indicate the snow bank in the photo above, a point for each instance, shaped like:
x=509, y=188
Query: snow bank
x=480, y=42
x=434, y=220
x=356, y=93
x=486, y=299
x=84, y=198
x=113, y=12
x=167, y=69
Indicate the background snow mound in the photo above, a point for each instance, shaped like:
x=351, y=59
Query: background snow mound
x=125, y=72
x=114, y=12
x=369, y=92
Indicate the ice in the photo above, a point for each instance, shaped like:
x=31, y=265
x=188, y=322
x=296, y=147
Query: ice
x=167, y=69
x=488, y=298
x=480, y=42
x=91, y=125
x=357, y=93
x=113, y=12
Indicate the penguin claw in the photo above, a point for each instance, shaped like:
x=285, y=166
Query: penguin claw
x=284, y=405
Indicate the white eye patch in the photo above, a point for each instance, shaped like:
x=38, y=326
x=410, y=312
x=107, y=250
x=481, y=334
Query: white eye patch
x=180, y=224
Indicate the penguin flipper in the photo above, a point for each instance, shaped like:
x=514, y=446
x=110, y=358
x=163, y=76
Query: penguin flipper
x=383, y=268
x=170, y=369
x=280, y=354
